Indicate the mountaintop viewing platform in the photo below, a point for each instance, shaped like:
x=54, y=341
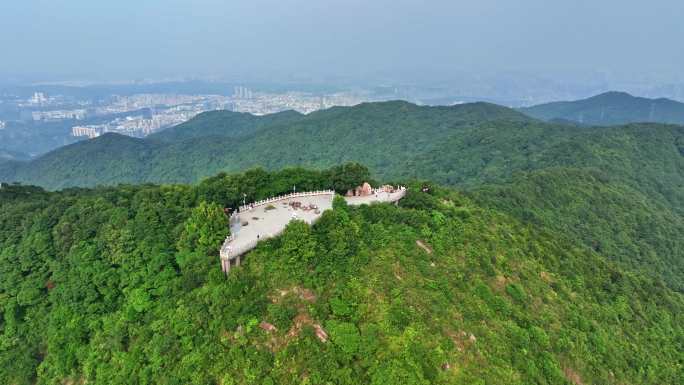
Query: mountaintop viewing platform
x=269, y=217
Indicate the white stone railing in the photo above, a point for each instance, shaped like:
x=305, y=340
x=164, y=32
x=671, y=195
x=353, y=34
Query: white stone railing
x=228, y=239
x=391, y=197
x=288, y=196
x=401, y=194
x=229, y=252
x=394, y=196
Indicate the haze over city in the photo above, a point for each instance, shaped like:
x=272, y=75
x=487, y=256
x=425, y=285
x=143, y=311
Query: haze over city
x=607, y=41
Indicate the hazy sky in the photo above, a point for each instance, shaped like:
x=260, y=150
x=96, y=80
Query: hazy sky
x=154, y=38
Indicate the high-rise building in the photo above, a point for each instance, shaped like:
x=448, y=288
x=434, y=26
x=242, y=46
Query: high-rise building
x=240, y=92
x=38, y=98
x=90, y=132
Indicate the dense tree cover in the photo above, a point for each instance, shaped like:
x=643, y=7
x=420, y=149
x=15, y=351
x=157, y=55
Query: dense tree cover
x=465, y=145
x=381, y=135
x=122, y=285
x=611, y=108
x=647, y=157
x=231, y=190
x=593, y=208
x=204, y=229
x=35, y=137
x=611, y=193
x=469, y=146
x=224, y=124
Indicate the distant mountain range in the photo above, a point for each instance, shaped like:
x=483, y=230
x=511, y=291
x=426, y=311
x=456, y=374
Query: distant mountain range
x=610, y=108
x=635, y=168
x=390, y=137
x=6, y=155
x=464, y=145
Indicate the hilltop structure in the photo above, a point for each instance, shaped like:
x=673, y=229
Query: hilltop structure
x=268, y=218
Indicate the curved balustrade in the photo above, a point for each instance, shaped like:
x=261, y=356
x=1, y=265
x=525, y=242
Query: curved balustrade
x=230, y=252
x=288, y=196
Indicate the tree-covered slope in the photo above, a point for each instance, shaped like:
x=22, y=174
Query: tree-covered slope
x=6, y=155
x=37, y=137
x=467, y=146
x=223, y=123
x=647, y=157
x=384, y=136
x=461, y=145
x=595, y=208
x=611, y=108
x=122, y=285
x=381, y=135
x=108, y=159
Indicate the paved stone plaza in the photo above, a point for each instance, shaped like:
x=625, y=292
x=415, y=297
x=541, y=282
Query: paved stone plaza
x=268, y=218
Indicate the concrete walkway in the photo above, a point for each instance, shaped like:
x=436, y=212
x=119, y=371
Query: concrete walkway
x=379, y=196
x=268, y=218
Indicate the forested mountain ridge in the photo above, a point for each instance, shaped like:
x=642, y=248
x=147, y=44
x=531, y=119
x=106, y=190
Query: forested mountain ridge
x=594, y=208
x=611, y=108
x=469, y=146
x=37, y=137
x=122, y=285
x=12, y=155
x=202, y=147
x=110, y=159
x=233, y=124
x=461, y=145
x=223, y=123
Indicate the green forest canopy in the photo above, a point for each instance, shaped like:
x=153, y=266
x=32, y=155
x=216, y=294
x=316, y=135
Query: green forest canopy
x=619, y=190
x=466, y=145
x=113, y=286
